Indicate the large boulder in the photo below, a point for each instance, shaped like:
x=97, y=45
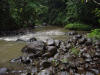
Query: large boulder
x=3, y=71
x=50, y=42
x=36, y=47
x=57, y=43
x=51, y=51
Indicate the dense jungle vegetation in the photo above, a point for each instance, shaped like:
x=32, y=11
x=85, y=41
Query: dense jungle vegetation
x=73, y=14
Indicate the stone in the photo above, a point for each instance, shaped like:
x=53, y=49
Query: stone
x=26, y=60
x=57, y=43
x=52, y=50
x=97, y=42
x=89, y=41
x=3, y=70
x=78, y=36
x=50, y=42
x=45, y=64
x=82, y=41
x=63, y=73
x=32, y=39
x=45, y=72
x=16, y=60
x=68, y=46
x=72, y=33
x=36, y=47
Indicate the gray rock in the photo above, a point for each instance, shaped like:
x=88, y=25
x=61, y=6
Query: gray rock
x=52, y=50
x=50, y=42
x=82, y=41
x=57, y=43
x=68, y=46
x=97, y=43
x=78, y=36
x=3, y=70
x=32, y=39
x=45, y=72
x=45, y=64
x=63, y=73
x=72, y=33
x=36, y=47
x=89, y=41
x=89, y=73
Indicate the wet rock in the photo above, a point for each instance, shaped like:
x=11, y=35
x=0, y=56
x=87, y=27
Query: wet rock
x=57, y=43
x=50, y=42
x=46, y=55
x=26, y=60
x=17, y=60
x=89, y=41
x=97, y=54
x=28, y=74
x=86, y=55
x=62, y=46
x=36, y=47
x=88, y=60
x=32, y=39
x=45, y=72
x=82, y=41
x=98, y=50
x=51, y=59
x=74, y=38
x=72, y=33
x=68, y=46
x=63, y=73
x=89, y=73
x=97, y=43
x=78, y=36
x=56, y=56
x=3, y=71
x=96, y=71
x=45, y=64
x=52, y=50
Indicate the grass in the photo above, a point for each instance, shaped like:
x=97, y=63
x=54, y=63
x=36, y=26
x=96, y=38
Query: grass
x=75, y=51
x=95, y=34
x=78, y=26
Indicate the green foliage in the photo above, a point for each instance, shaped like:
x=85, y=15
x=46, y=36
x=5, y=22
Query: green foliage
x=97, y=14
x=77, y=11
x=56, y=12
x=22, y=12
x=75, y=51
x=27, y=13
x=94, y=34
x=78, y=26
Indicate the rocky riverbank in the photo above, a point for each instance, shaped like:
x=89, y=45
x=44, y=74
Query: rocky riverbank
x=78, y=55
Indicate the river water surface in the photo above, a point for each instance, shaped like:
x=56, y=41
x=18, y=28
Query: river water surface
x=10, y=48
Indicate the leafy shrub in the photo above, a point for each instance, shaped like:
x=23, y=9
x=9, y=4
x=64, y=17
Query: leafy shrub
x=97, y=14
x=94, y=34
x=78, y=26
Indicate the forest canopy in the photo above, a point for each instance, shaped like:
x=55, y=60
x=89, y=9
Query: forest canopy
x=15, y=14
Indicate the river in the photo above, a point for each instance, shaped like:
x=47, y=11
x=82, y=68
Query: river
x=10, y=48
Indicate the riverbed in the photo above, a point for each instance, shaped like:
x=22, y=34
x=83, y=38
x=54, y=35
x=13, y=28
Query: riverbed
x=11, y=48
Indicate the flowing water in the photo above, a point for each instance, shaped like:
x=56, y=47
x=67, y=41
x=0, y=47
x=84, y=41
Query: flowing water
x=10, y=48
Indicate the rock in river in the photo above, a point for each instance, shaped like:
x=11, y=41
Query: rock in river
x=3, y=71
x=36, y=47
